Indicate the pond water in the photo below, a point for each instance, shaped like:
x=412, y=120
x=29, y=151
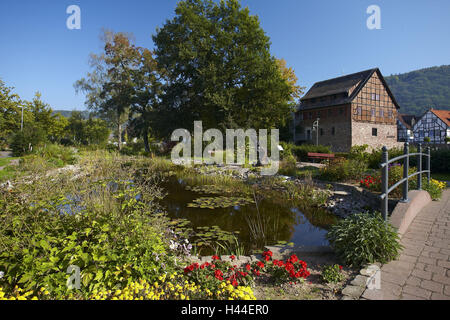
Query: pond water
x=270, y=222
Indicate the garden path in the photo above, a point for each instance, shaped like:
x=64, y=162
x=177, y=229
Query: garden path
x=423, y=269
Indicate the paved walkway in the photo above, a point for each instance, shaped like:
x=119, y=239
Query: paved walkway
x=423, y=269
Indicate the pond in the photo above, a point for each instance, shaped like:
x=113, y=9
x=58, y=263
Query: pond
x=266, y=221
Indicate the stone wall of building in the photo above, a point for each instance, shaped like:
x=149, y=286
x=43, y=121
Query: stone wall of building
x=334, y=127
x=386, y=135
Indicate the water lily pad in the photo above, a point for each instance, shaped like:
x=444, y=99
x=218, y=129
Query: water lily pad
x=219, y=202
x=209, y=189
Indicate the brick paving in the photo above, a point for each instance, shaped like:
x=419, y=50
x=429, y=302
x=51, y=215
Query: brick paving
x=423, y=269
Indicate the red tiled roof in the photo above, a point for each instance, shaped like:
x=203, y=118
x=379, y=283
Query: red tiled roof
x=444, y=115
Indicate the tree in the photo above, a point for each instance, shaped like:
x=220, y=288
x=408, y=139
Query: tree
x=24, y=141
x=42, y=114
x=218, y=69
x=10, y=113
x=109, y=86
x=96, y=131
x=87, y=132
x=147, y=93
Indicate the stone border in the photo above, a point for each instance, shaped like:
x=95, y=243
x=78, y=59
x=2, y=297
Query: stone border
x=358, y=286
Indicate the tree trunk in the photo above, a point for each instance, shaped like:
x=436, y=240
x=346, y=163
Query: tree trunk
x=146, y=145
x=119, y=135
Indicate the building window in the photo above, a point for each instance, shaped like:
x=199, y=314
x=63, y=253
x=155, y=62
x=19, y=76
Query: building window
x=341, y=111
x=318, y=114
x=333, y=131
x=381, y=113
x=330, y=112
x=374, y=132
x=310, y=115
x=321, y=131
x=373, y=112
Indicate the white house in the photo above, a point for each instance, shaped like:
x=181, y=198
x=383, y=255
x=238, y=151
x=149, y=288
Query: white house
x=434, y=124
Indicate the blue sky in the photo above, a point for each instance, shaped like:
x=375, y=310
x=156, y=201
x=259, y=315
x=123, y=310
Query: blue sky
x=319, y=39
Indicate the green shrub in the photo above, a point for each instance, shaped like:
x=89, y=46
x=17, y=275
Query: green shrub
x=374, y=158
x=23, y=142
x=288, y=166
x=364, y=238
x=113, y=238
x=332, y=274
x=343, y=170
x=434, y=188
x=359, y=153
x=132, y=148
x=440, y=160
x=57, y=154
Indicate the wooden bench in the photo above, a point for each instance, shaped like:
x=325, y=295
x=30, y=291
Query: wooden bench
x=320, y=156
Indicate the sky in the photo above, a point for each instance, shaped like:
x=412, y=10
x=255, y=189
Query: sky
x=319, y=39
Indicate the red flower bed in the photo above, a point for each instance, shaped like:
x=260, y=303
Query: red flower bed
x=371, y=183
x=291, y=270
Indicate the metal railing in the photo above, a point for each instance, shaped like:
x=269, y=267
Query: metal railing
x=385, y=161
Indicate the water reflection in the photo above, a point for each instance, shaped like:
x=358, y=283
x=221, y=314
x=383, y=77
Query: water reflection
x=266, y=223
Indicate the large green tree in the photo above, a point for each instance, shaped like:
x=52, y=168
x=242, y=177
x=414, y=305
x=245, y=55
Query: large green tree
x=218, y=68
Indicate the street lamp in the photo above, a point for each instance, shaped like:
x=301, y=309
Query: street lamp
x=21, y=122
x=316, y=128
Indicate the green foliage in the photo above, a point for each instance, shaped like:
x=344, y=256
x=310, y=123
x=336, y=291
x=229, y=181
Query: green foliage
x=364, y=238
x=359, y=153
x=440, y=160
x=57, y=153
x=288, y=166
x=10, y=113
x=332, y=274
x=114, y=243
x=24, y=141
x=92, y=131
x=374, y=158
x=434, y=188
x=343, y=170
x=223, y=73
x=419, y=90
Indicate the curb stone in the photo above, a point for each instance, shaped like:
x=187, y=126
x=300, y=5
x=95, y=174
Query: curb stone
x=358, y=285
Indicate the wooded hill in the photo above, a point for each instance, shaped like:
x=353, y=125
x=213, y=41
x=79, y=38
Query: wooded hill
x=419, y=90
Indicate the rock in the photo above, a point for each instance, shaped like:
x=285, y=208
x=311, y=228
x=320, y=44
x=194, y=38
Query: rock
x=353, y=291
x=360, y=281
x=7, y=185
x=341, y=193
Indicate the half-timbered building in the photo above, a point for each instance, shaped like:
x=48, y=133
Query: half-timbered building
x=434, y=124
x=351, y=110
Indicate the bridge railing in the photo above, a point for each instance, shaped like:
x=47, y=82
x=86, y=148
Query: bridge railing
x=385, y=161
